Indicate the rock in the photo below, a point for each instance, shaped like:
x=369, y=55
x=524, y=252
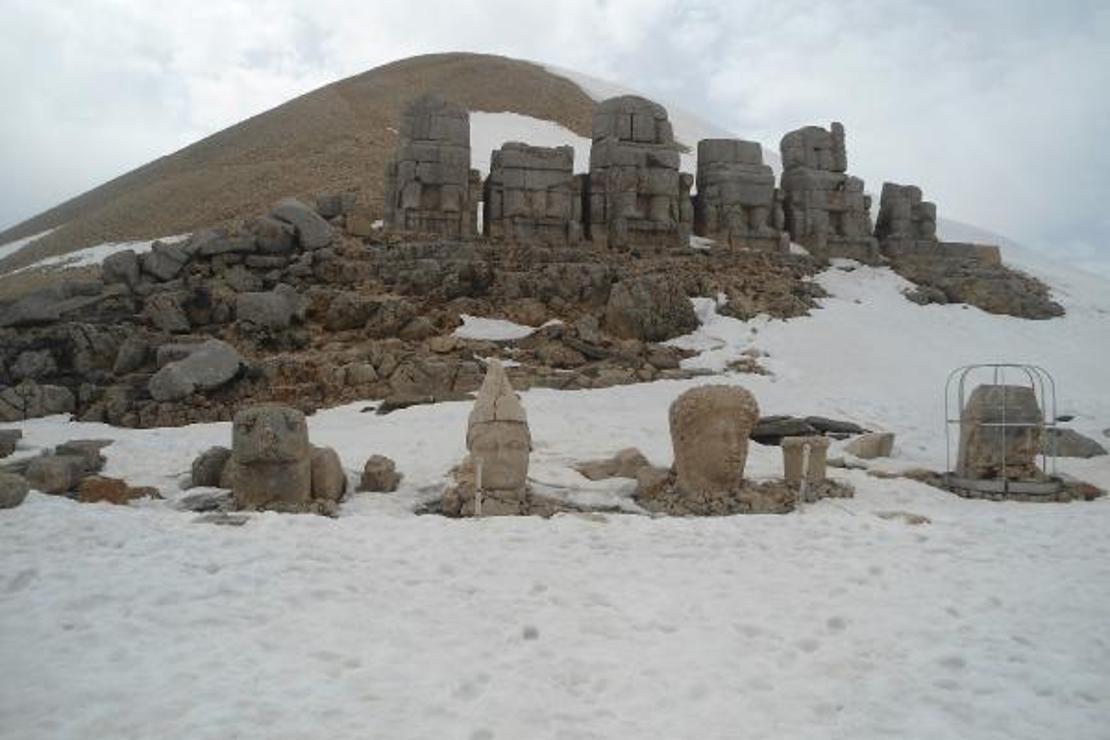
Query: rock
x=29, y=400
x=13, y=489
x=795, y=458
x=1070, y=443
x=222, y=518
x=379, y=475
x=33, y=310
x=347, y=311
x=271, y=459
x=99, y=489
x=770, y=430
x=121, y=267
x=329, y=482
x=360, y=373
x=983, y=447
x=208, y=468
x=313, y=232
x=164, y=261
x=210, y=365
x=242, y=280
x=825, y=425
x=388, y=315
x=872, y=445
x=33, y=365
x=88, y=450
x=651, y=309
x=55, y=474
x=418, y=329
x=274, y=310
x=274, y=236
x=241, y=244
x=625, y=464
x=132, y=355
x=330, y=205
x=9, y=438
x=166, y=312
x=202, y=501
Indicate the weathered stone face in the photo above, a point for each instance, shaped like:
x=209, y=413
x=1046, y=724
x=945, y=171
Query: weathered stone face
x=825, y=209
x=737, y=203
x=500, y=452
x=429, y=186
x=709, y=431
x=635, y=193
x=269, y=434
x=988, y=451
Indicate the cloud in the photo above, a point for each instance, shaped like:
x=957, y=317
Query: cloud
x=996, y=109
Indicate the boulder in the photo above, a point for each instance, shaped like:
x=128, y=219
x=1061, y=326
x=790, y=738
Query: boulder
x=238, y=244
x=625, y=464
x=32, y=310
x=13, y=489
x=121, y=267
x=164, y=261
x=419, y=328
x=9, y=438
x=651, y=309
x=202, y=501
x=55, y=474
x=166, y=311
x=347, y=311
x=208, y=468
x=132, y=355
x=274, y=310
x=274, y=236
x=313, y=231
x=329, y=482
x=86, y=449
x=29, y=400
x=770, y=430
x=871, y=445
x=824, y=425
x=210, y=365
x=34, y=365
x=379, y=475
x=99, y=489
x=330, y=205
x=1068, y=443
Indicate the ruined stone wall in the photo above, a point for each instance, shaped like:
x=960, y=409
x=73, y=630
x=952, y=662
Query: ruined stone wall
x=907, y=228
x=636, y=195
x=429, y=186
x=737, y=203
x=826, y=210
x=532, y=196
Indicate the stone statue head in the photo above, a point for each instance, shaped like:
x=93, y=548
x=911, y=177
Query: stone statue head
x=709, y=431
x=269, y=434
x=497, y=434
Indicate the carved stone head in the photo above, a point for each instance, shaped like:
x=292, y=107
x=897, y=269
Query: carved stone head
x=709, y=430
x=269, y=434
x=497, y=434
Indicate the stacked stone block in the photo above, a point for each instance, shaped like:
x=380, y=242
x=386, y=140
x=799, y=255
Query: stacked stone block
x=825, y=208
x=635, y=192
x=532, y=196
x=429, y=186
x=737, y=201
x=907, y=227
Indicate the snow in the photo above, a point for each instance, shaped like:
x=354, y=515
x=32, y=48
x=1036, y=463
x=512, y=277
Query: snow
x=488, y=131
x=494, y=330
x=97, y=254
x=988, y=622
x=10, y=248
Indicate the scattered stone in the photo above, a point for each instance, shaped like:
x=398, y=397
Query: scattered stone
x=55, y=474
x=313, y=232
x=164, y=261
x=379, y=475
x=166, y=311
x=872, y=445
x=208, y=467
x=825, y=425
x=770, y=430
x=88, y=450
x=222, y=518
x=627, y=463
x=132, y=355
x=209, y=365
x=202, y=501
x=273, y=310
x=33, y=365
x=239, y=244
x=29, y=400
x=651, y=309
x=121, y=267
x=329, y=482
x=13, y=489
x=273, y=236
x=1070, y=443
x=9, y=438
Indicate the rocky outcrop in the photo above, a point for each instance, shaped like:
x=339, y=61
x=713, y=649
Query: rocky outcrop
x=29, y=400
x=651, y=309
x=206, y=366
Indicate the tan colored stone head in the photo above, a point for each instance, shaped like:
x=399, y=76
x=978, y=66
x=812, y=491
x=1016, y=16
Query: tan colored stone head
x=709, y=431
x=497, y=434
x=269, y=434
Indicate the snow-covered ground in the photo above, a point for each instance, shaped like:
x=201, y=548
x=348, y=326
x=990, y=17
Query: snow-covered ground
x=988, y=622
x=9, y=248
x=93, y=255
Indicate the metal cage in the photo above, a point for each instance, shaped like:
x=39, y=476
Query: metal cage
x=1043, y=386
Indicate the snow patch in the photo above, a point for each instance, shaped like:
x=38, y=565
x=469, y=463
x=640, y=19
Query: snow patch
x=495, y=330
x=488, y=131
x=95, y=255
x=10, y=248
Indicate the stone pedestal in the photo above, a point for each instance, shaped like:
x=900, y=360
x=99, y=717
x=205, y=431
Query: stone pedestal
x=794, y=459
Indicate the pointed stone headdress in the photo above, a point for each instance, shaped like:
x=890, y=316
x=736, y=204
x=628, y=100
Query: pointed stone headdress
x=496, y=402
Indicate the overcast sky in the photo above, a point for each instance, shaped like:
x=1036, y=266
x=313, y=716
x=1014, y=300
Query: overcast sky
x=1000, y=111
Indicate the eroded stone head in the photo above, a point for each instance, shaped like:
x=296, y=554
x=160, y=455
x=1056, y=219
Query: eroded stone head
x=497, y=434
x=269, y=434
x=709, y=431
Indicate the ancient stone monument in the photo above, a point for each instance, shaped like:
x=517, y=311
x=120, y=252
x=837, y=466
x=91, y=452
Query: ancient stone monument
x=635, y=193
x=532, y=195
x=907, y=227
x=493, y=481
x=826, y=210
x=429, y=186
x=737, y=203
x=804, y=457
x=990, y=450
x=709, y=431
x=273, y=466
